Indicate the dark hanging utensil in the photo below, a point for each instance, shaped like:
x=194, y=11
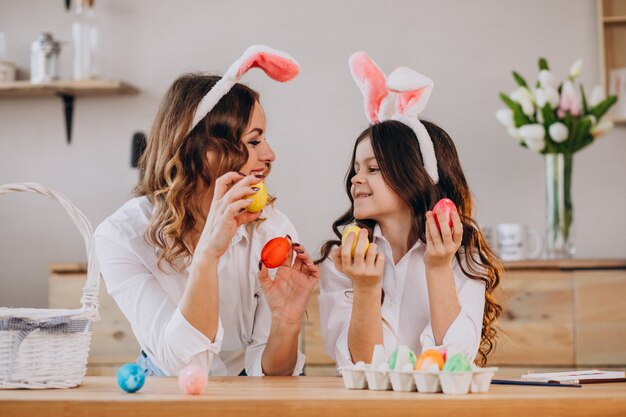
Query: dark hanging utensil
x=137, y=149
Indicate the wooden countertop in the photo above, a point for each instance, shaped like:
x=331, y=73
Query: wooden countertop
x=306, y=396
x=565, y=264
x=529, y=264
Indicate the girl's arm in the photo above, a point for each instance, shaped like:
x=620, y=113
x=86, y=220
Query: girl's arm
x=441, y=246
x=365, y=270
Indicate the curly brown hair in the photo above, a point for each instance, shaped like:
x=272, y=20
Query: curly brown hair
x=175, y=162
x=400, y=161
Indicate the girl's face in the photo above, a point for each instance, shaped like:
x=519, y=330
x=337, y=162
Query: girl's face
x=373, y=198
x=260, y=155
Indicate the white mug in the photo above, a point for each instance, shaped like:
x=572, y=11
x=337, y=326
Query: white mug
x=514, y=242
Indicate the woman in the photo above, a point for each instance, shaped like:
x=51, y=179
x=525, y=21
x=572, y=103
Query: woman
x=182, y=259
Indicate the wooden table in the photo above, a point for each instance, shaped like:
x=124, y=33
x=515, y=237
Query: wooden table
x=306, y=396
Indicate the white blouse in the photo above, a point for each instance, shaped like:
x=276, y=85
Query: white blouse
x=149, y=297
x=405, y=309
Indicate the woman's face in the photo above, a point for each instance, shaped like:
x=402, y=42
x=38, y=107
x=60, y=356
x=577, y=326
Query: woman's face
x=373, y=198
x=260, y=154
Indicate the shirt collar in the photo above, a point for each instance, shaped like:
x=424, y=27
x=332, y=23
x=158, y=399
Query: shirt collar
x=378, y=235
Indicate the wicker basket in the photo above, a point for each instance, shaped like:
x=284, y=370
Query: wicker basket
x=48, y=348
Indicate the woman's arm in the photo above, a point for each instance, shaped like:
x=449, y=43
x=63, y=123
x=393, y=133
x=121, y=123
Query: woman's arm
x=287, y=297
x=158, y=323
x=200, y=301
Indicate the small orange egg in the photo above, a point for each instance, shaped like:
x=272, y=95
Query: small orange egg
x=428, y=358
x=275, y=252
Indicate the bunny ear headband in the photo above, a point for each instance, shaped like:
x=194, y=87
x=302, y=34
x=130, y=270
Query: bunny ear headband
x=407, y=89
x=278, y=65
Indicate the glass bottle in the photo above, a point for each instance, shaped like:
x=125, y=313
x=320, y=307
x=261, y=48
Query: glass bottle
x=85, y=38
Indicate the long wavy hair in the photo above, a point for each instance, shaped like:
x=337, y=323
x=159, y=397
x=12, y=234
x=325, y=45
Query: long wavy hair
x=175, y=164
x=397, y=152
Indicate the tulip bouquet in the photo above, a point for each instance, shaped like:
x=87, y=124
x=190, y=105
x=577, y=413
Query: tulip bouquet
x=556, y=120
x=552, y=117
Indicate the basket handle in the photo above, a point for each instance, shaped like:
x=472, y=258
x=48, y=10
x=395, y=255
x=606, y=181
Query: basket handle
x=89, y=299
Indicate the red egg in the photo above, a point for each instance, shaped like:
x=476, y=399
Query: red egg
x=275, y=252
x=447, y=206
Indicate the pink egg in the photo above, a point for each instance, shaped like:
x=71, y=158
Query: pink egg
x=192, y=380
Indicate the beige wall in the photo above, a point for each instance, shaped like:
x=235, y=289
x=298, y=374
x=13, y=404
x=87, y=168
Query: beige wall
x=467, y=48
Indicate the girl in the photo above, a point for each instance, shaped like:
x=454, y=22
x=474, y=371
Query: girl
x=182, y=259
x=414, y=285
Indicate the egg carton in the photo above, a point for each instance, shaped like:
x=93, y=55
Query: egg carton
x=477, y=380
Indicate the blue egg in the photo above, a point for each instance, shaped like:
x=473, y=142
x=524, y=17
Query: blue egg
x=130, y=377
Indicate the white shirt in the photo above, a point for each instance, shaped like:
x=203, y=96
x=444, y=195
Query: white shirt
x=405, y=308
x=149, y=297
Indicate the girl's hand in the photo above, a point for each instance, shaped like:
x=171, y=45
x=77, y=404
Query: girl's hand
x=288, y=294
x=442, y=246
x=227, y=213
x=364, y=269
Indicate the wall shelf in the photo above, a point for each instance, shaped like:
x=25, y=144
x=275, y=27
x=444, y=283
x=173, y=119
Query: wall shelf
x=614, y=19
x=612, y=27
x=67, y=91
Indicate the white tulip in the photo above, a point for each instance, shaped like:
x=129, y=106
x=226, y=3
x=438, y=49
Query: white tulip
x=558, y=132
x=592, y=118
x=514, y=133
x=574, y=72
x=539, y=116
x=541, y=97
x=547, y=95
x=533, y=135
x=601, y=128
x=505, y=116
x=553, y=97
x=524, y=97
x=597, y=95
x=547, y=80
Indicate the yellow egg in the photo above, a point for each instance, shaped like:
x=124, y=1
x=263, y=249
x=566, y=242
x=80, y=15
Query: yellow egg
x=259, y=200
x=353, y=229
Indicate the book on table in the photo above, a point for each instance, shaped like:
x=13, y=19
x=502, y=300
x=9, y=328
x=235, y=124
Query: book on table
x=575, y=377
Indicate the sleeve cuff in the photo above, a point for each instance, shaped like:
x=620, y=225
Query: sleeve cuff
x=257, y=365
x=458, y=338
x=190, y=341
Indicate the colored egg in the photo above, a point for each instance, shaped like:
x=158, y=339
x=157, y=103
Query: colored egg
x=458, y=363
x=259, y=200
x=447, y=206
x=429, y=358
x=275, y=252
x=130, y=377
x=353, y=229
x=406, y=356
x=192, y=380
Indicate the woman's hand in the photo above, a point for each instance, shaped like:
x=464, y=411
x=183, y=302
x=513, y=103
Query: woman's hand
x=288, y=294
x=365, y=269
x=227, y=213
x=442, y=246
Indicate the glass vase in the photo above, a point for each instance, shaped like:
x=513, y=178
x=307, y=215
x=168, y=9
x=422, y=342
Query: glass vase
x=560, y=213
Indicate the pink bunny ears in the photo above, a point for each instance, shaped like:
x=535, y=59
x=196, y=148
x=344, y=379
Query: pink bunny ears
x=278, y=65
x=407, y=89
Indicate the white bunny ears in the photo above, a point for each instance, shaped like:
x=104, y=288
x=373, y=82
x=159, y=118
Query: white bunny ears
x=278, y=65
x=407, y=89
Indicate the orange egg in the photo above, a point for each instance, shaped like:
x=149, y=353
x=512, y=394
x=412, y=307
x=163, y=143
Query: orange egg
x=275, y=252
x=428, y=358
